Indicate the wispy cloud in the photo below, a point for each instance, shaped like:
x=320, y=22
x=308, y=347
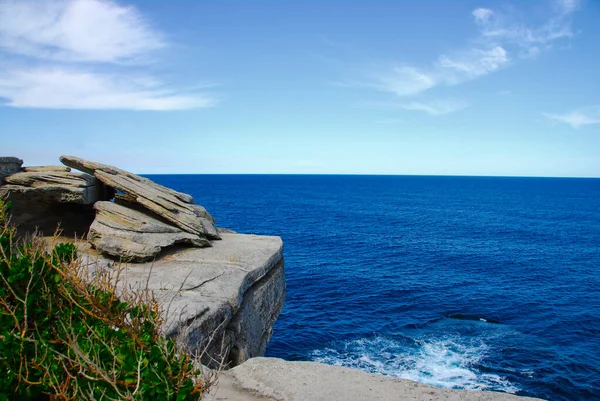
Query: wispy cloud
x=76, y=30
x=502, y=40
x=472, y=64
x=403, y=81
x=482, y=15
x=435, y=107
x=83, y=54
x=578, y=118
x=509, y=30
x=429, y=105
x=71, y=89
x=448, y=70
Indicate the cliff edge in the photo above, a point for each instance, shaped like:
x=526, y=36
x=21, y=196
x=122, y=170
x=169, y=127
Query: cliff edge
x=222, y=301
x=221, y=292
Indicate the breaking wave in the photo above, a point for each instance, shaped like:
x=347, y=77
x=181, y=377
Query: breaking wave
x=449, y=362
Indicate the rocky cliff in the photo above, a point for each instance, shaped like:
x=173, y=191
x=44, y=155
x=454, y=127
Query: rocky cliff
x=221, y=291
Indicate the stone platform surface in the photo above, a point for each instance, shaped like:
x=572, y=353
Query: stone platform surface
x=223, y=300
x=268, y=379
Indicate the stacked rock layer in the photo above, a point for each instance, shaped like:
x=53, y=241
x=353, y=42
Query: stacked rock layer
x=124, y=216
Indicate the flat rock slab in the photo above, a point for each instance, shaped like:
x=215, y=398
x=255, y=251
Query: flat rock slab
x=52, y=187
x=45, y=168
x=132, y=235
x=176, y=207
x=51, y=178
x=203, y=290
x=51, y=194
x=276, y=379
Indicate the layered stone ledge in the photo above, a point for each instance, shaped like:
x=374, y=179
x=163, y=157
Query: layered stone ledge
x=221, y=301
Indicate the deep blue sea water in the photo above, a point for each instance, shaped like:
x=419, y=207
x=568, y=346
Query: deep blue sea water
x=459, y=282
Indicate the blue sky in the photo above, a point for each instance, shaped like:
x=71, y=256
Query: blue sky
x=350, y=87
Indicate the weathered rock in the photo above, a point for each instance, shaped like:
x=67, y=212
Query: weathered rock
x=43, y=200
x=53, y=194
x=171, y=205
x=31, y=213
x=252, y=324
x=8, y=166
x=262, y=379
x=50, y=178
x=90, y=167
x=52, y=186
x=125, y=199
x=30, y=169
x=132, y=235
x=222, y=300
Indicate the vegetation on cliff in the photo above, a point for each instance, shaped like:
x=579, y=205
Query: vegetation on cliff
x=66, y=335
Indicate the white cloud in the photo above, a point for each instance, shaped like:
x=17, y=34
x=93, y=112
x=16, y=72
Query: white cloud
x=531, y=39
x=78, y=30
x=566, y=6
x=70, y=89
x=503, y=39
x=405, y=81
x=436, y=107
x=578, y=118
x=531, y=52
x=482, y=15
x=475, y=63
x=83, y=54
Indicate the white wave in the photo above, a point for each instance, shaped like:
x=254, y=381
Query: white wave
x=447, y=363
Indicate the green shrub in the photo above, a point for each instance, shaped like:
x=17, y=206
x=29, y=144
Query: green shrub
x=65, y=335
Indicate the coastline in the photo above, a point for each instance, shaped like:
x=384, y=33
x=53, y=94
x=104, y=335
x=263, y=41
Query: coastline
x=235, y=288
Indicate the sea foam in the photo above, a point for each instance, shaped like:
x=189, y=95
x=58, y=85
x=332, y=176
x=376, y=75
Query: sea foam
x=448, y=362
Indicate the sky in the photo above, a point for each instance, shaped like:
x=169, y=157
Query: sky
x=501, y=88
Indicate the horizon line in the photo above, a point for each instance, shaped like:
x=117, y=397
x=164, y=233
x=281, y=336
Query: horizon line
x=384, y=175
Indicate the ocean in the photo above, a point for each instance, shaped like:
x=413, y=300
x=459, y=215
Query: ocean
x=483, y=283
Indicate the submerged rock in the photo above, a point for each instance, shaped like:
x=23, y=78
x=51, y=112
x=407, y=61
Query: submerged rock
x=133, y=235
x=176, y=207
